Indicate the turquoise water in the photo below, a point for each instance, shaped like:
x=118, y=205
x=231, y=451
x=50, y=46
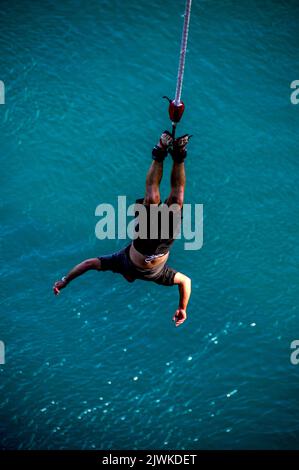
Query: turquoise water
x=102, y=366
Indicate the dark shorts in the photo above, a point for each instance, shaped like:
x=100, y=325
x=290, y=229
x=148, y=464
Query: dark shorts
x=121, y=263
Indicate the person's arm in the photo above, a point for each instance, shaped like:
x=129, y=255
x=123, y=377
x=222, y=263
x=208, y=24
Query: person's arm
x=92, y=263
x=184, y=284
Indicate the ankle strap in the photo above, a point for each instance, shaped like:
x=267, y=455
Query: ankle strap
x=159, y=154
x=178, y=156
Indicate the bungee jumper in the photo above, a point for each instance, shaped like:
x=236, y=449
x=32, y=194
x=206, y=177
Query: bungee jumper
x=145, y=258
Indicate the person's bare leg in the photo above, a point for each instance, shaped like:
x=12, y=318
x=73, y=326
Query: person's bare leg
x=178, y=182
x=178, y=176
x=152, y=186
x=155, y=172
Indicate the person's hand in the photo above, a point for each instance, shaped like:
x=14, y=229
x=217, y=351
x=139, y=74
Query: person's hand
x=58, y=286
x=179, y=316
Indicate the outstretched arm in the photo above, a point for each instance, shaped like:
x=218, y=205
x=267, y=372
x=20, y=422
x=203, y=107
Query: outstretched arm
x=92, y=263
x=184, y=284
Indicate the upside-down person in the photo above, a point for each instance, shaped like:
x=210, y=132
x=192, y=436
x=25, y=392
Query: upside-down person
x=145, y=258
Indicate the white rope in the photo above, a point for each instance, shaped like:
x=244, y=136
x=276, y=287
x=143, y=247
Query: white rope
x=179, y=84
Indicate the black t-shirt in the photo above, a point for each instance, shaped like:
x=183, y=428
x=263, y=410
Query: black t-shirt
x=157, y=226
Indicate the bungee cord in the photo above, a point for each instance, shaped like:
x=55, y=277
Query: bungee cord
x=176, y=106
x=183, y=52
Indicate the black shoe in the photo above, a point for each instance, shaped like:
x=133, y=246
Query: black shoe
x=178, y=151
x=160, y=151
